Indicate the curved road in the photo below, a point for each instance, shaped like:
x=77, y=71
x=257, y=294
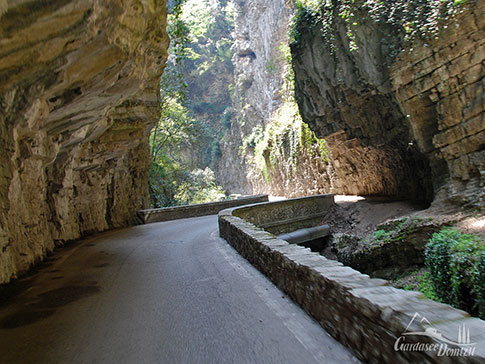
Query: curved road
x=170, y=292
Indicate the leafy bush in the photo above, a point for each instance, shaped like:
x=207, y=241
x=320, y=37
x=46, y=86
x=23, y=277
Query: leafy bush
x=380, y=235
x=437, y=260
x=199, y=187
x=456, y=264
x=418, y=280
x=160, y=185
x=426, y=286
x=480, y=285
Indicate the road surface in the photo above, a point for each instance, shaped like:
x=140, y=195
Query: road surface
x=170, y=292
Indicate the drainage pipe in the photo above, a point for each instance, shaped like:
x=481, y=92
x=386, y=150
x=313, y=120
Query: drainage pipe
x=303, y=235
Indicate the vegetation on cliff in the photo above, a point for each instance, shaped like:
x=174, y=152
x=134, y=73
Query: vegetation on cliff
x=193, y=108
x=278, y=155
x=274, y=153
x=402, y=82
x=407, y=20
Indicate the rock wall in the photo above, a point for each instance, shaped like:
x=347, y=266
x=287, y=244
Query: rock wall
x=401, y=117
x=262, y=93
x=440, y=87
x=309, y=174
x=354, y=165
x=78, y=95
x=260, y=27
x=402, y=244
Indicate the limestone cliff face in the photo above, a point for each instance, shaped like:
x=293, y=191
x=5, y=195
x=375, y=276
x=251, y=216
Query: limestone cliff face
x=78, y=97
x=400, y=118
x=441, y=88
x=351, y=167
x=260, y=27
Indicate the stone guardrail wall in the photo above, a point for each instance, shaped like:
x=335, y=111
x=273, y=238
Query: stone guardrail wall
x=182, y=212
x=365, y=314
x=280, y=217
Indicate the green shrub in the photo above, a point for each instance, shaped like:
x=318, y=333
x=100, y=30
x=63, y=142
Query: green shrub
x=437, y=260
x=199, y=187
x=380, y=234
x=408, y=287
x=426, y=287
x=479, y=288
x=456, y=264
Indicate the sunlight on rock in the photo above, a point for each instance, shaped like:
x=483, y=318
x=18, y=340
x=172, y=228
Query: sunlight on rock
x=276, y=198
x=480, y=224
x=348, y=198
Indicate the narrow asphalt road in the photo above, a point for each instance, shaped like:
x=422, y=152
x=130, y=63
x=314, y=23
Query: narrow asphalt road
x=170, y=292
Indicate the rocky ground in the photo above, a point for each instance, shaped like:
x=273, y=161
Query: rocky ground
x=361, y=217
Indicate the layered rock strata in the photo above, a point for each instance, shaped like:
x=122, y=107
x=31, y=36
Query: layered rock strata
x=440, y=87
x=260, y=28
x=402, y=118
x=78, y=95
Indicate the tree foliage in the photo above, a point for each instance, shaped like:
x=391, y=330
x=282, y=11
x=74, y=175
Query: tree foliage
x=175, y=175
x=209, y=71
x=199, y=187
x=456, y=264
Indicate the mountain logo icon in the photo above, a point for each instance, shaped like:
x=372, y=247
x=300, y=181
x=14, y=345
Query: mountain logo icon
x=463, y=338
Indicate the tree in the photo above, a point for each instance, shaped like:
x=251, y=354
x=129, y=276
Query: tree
x=178, y=133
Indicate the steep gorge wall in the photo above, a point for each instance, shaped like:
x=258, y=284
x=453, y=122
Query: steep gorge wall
x=78, y=95
x=260, y=27
x=263, y=99
x=401, y=118
x=441, y=88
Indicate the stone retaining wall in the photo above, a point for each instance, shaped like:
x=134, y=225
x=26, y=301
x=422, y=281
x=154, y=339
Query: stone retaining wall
x=280, y=217
x=367, y=315
x=181, y=212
